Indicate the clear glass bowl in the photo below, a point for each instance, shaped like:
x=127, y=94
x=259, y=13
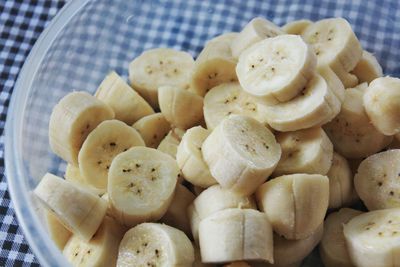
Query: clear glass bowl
x=89, y=38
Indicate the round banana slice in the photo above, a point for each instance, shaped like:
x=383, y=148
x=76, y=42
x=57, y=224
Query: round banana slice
x=256, y=30
x=234, y=235
x=276, y=69
x=229, y=98
x=368, y=68
x=295, y=204
x=126, y=103
x=106, y=141
x=241, y=153
x=141, y=185
x=332, y=248
x=57, y=231
x=376, y=180
x=314, y=106
x=352, y=134
x=101, y=250
x=190, y=159
x=340, y=182
x=214, y=65
x=372, y=238
x=304, y=151
x=170, y=143
x=382, y=104
x=158, y=67
x=72, y=119
x=176, y=215
x=333, y=81
x=153, y=129
x=153, y=244
x=181, y=108
x=73, y=175
x=297, y=26
x=335, y=44
x=82, y=214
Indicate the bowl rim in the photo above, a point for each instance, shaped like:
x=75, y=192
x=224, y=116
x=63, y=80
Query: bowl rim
x=39, y=241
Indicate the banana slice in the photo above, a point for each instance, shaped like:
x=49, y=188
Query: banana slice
x=295, y=204
x=332, y=248
x=335, y=44
x=73, y=174
x=214, y=65
x=382, y=104
x=340, y=182
x=81, y=214
x=372, y=238
x=368, y=68
x=263, y=69
x=106, y=141
x=241, y=153
x=176, y=215
x=153, y=244
x=126, y=103
x=314, y=106
x=234, y=235
x=297, y=26
x=229, y=98
x=214, y=199
x=376, y=180
x=352, y=134
x=57, y=231
x=72, y=119
x=256, y=30
x=170, y=143
x=304, y=151
x=190, y=159
x=153, y=129
x=333, y=81
x=158, y=67
x=141, y=185
x=183, y=109
x=101, y=250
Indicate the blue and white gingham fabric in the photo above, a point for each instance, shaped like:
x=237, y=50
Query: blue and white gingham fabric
x=180, y=24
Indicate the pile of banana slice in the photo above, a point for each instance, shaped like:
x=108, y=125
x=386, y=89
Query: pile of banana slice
x=234, y=158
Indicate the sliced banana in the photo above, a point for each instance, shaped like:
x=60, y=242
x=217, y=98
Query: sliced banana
x=368, y=68
x=372, y=238
x=181, y=108
x=214, y=65
x=376, y=180
x=190, y=159
x=352, y=134
x=241, y=153
x=153, y=244
x=382, y=104
x=158, y=67
x=107, y=140
x=57, y=231
x=176, y=215
x=335, y=44
x=256, y=30
x=297, y=26
x=101, y=250
x=295, y=204
x=73, y=174
x=304, y=151
x=333, y=81
x=141, y=185
x=153, y=129
x=126, y=103
x=229, y=98
x=314, y=106
x=332, y=248
x=340, y=182
x=82, y=214
x=263, y=69
x=234, y=235
x=170, y=143
x=71, y=120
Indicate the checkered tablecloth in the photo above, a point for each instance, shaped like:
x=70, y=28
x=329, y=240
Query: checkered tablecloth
x=376, y=22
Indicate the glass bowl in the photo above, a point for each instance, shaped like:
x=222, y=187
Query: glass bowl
x=87, y=39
